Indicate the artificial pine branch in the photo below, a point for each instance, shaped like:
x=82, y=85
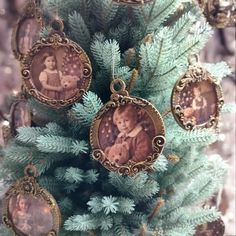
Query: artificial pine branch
x=80, y=32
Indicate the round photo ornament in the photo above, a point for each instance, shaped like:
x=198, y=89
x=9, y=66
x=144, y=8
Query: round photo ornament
x=56, y=71
x=29, y=209
x=132, y=2
x=127, y=135
x=197, y=99
x=27, y=30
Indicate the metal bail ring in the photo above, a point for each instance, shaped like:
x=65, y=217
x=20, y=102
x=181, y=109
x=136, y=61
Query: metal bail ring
x=30, y=171
x=57, y=25
x=122, y=90
x=194, y=59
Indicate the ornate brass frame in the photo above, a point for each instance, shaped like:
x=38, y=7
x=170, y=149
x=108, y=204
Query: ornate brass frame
x=28, y=186
x=132, y=2
x=31, y=11
x=195, y=73
x=131, y=168
x=55, y=40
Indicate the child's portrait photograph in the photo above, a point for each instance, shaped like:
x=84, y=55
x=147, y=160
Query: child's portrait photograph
x=126, y=134
x=199, y=102
x=30, y=216
x=57, y=73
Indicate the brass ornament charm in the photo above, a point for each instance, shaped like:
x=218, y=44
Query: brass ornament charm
x=127, y=135
x=197, y=99
x=219, y=13
x=27, y=30
x=29, y=209
x=132, y=2
x=56, y=71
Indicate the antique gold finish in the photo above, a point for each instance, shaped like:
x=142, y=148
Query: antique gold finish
x=31, y=12
x=56, y=41
x=28, y=187
x=132, y=2
x=195, y=74
x=58, y=23
x=118, y=99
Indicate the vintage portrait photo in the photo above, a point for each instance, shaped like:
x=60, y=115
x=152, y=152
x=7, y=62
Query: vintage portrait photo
x=199, y=102
x=30, y=216
x=126, y=133
x=21, y=115
x=28, y=33
x=58, y=73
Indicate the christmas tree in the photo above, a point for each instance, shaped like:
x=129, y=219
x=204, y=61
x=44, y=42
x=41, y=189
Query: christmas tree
x=147, y=46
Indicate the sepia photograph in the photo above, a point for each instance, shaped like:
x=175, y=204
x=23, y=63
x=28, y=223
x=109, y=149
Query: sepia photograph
x=57, y=73
x=126, y=133
x=28, y=34
x=199, y=102
x=30, y=216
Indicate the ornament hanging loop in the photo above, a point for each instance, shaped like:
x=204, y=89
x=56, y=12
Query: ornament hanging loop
x=122, y=87
x=31, y=171
x=193, y=59
x=57, y=25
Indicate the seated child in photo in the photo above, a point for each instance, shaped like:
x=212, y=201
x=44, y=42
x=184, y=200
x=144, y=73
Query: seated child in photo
x=131, y=132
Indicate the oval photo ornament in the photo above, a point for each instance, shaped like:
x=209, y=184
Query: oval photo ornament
x=57, y=71
x=127, y=134
x=30, y=210
x=197, y=99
